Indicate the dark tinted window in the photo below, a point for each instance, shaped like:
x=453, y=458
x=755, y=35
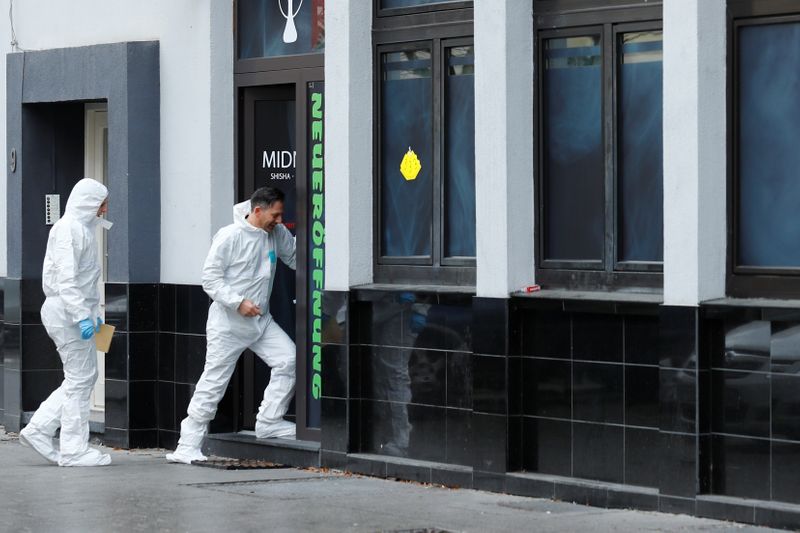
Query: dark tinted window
x=269, y=28
x=459, y=169
x=640, y=159
x=573, y=149
x=406, y=128
x=769, y=145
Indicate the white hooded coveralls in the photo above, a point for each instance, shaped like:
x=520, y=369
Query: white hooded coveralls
x=70, y=279
x=241, y=265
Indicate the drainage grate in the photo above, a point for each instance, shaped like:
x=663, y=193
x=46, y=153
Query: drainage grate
x=238, y=464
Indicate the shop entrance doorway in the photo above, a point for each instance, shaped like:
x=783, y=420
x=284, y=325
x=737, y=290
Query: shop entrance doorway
x=276, y=148
x=96, y=166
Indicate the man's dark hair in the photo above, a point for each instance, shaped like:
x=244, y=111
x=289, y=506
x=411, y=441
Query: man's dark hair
x=265, y=197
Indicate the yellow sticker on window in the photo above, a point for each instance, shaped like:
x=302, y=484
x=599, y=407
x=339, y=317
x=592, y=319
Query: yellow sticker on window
x=410, y=165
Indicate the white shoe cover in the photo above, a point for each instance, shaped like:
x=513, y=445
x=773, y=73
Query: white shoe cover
x=186, y=454
x=281, y=429
x=41, y=444
x=90, y=457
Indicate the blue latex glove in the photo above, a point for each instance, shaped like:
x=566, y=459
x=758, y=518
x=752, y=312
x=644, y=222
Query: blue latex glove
x=406, y=297
x=87, y=328
x=99, y=323
x=418, y=322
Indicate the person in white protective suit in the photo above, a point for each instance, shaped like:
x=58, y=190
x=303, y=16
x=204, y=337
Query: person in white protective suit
x=71, y=316
x=238, y=275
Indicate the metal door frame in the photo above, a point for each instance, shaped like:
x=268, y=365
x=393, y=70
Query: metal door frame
x=245, y=180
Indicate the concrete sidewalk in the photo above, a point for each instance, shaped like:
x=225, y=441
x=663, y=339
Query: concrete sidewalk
x=142, y=492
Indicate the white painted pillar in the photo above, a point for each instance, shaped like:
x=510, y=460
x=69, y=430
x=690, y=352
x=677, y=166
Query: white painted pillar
x=504, y=146
x=221, y=99
x=695, y=122
x=348, y=144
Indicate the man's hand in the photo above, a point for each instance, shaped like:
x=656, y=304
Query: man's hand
x=248, y=308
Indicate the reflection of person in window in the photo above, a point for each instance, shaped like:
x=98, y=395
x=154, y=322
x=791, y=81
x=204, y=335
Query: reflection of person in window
x=399, y=323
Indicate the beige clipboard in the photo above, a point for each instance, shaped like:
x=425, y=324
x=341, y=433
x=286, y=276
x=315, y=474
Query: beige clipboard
x=103, y=338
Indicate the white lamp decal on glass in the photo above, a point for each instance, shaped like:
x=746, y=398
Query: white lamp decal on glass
x=290, y=32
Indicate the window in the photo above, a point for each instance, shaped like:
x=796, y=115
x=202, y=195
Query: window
x=271, y=28
x=764, y=259
x=425, y=156
x=599, y=132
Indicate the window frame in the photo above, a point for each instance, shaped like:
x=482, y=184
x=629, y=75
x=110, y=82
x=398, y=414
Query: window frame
x=571, y=18
x=437, y=30
x=415, y=10
x=261, y=64
x=750, y=281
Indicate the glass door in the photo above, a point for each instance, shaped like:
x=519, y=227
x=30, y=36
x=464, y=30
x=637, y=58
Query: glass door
x=281, y=145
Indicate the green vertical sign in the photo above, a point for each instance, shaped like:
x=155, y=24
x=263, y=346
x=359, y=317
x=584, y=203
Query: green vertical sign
x=316, y=255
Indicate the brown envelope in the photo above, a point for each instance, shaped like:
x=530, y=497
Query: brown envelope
x=103, y=338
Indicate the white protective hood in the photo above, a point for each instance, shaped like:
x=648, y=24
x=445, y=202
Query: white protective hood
x=84, y=201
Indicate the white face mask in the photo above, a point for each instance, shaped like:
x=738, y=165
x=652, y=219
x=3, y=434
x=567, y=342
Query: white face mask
x=105, y=224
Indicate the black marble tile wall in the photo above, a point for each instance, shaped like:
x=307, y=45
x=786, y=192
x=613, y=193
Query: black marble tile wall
x=785, y=471
x=678, y=397
x=12, y=347
x=334, y=371
x=598, y=452
x=496, y=439
x=2, y=361
x=745, y=463
x=31, y=298
x=37, y=386
x=642, y=446
x=341, y=375
x=682, y=367
x=41, y=366
x=191, y=309
x=547, y=446
x=334, y=415
x=180, y=348
x=754, y=381
x=408, y=371
x=678, y=464
x=132, y=365
x=12, y=355
x=189, y=357
x=589, y=386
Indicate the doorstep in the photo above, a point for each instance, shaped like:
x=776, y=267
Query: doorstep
x=582, y=491
x=245, y=445
x=390, y=467
x=758, y=512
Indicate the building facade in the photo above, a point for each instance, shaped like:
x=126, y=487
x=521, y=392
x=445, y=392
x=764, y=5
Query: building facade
x=546, y=247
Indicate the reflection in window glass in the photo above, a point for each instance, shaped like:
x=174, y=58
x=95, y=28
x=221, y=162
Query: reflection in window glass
x=406, y=112
x=459, y=171
x=640, y=155
x=573, y=149
x=390, y=4
x=269, y=28
x=769, y=158
x=785, y=348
